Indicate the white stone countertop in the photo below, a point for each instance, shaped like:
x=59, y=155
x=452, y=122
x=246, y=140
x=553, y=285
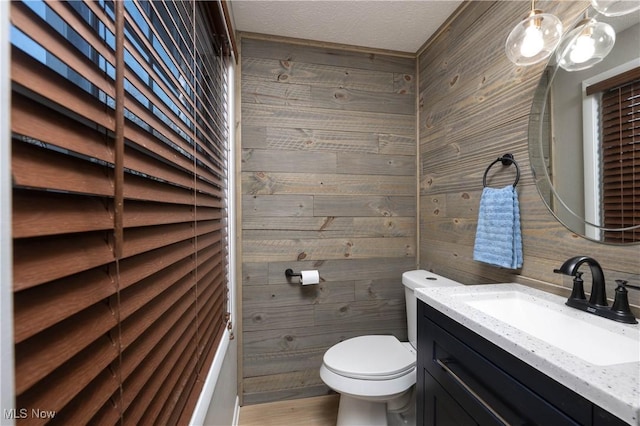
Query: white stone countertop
x=615, y=388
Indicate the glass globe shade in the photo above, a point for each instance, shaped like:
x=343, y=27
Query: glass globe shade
x=583, y=50
x=534, y=38
x=532, y=43
x=586, y=45
x=615, y=7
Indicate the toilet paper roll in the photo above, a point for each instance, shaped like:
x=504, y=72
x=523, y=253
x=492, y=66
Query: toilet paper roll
x=310, y=277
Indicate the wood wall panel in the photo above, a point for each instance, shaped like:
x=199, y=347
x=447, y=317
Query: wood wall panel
x=339, y=184
x=326, y=119
x=308, y=139
x=326, y=248
x=318, y=76
x=328, y=177
x=328, y=227
x=366, y=205
x=303, y=52
x=474, y=107
x=328, y=182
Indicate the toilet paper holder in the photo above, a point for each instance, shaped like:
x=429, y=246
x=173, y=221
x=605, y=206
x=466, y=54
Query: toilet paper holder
x=289, y=273
x=306, y=277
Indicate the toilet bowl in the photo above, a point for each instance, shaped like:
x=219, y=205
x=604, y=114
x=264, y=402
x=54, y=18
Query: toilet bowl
x=369, y=372
x=375, y=374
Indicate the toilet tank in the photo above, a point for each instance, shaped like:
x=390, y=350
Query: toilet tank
x=416, y=279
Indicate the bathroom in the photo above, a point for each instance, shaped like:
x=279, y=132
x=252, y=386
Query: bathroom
x=474, y=106
x=385, y=176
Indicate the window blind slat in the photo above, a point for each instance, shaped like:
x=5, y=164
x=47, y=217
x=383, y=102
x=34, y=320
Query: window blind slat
x=51, y=41
x=74, y=377
x=157, y=87
x=138, y=323
x=94, y=398
x=150, y=167
x=205, y=213
x=169, y=79
x=141, y=213
x=623, y=101
x=172, y=41
x=210, y=182
x=187, y=382
x=143, y=140
x=143, y=358
x=144, y=265
x=41, y=307
x=36, y=167
x=620, y=122
x=165, y=127
x=611, y=138
x=155, y=393
x=138, y=295
x=160, y=108
x=35, y=121
x=44, y=353
x=207, y=200
x=29, y=73
x=84, y=18
x=37, y=214
x=39, y=260
x=175, y=374
x=119, y=172
x=616, y=81
x=143, y=189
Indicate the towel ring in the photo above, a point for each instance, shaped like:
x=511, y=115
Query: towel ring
x=506, y=160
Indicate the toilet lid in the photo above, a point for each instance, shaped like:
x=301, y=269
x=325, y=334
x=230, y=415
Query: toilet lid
x=370, y=358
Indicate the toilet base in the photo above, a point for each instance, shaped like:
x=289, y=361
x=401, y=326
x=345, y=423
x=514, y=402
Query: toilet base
x=359, y=412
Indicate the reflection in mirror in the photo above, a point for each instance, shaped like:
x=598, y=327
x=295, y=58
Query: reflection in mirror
x=586, y=165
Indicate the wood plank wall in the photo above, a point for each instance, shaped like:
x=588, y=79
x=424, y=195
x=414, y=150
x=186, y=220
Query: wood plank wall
x=474, y=107
x=329, y=182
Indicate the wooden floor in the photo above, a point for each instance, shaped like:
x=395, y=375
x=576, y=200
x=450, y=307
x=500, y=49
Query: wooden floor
x=316, y=411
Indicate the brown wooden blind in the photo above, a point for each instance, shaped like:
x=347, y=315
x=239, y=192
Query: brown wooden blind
x=119, y=168
x=613, y=82
x=620, y=120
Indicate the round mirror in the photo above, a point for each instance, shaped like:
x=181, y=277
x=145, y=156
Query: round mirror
x=584, y=138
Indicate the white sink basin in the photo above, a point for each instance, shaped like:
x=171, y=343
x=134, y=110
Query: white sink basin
x=594, y=341
x=596, y=357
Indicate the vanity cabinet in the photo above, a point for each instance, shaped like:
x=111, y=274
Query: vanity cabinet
x=463, y=379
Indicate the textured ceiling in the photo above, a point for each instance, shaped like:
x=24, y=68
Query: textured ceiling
x=392, y=24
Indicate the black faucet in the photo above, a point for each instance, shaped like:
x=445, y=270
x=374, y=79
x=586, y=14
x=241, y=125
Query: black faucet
x=598, y=293
x=597, y=303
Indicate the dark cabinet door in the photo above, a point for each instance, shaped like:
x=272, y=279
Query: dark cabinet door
x=440, y=409
x=604, y=418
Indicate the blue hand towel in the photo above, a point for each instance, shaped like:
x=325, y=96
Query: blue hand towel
x=498, y=236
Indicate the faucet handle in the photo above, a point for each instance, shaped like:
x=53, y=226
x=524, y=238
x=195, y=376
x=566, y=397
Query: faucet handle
x=627, y=285
x=577, y=292
x=621, y=303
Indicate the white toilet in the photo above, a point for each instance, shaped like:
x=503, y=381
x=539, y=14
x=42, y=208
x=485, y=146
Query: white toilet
x=376, y=374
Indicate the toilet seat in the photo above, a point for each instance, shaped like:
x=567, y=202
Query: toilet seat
x=370, y=358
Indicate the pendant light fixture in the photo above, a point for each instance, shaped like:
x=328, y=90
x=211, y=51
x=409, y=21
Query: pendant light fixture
x=534, y=38
x=586, y=45
x=615, y=7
